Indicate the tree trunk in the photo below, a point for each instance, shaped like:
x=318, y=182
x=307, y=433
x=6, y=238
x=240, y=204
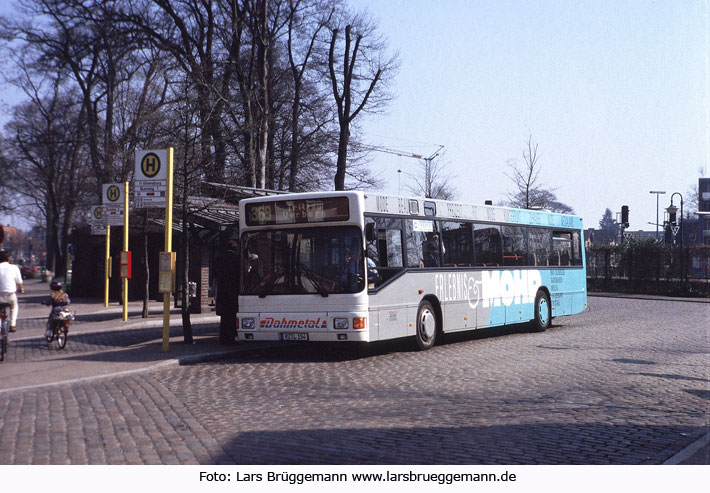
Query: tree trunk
x=295, y=149
x=186, y=324
x=342, y=156
x=49, y=239
x=264, y=103
x=250, y=152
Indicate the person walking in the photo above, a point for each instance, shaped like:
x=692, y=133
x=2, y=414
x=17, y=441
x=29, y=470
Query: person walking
x=10, y=284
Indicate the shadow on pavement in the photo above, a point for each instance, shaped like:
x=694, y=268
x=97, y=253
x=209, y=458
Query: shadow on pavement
x=32, y=299
x=121, y=345
x=506, y=444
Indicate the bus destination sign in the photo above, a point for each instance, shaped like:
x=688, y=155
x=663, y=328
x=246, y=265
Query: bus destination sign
x=297, y=211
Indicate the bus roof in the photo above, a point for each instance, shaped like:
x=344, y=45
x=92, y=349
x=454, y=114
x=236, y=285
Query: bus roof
x=439, y=209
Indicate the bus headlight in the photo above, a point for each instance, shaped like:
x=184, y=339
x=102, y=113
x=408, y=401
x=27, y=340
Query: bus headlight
x=359, y=323
x=248, y=324
x=340, y=323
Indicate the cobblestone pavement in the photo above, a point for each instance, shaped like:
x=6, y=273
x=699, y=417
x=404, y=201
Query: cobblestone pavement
x=99, y=342
x=81, y=343
x=625, y=383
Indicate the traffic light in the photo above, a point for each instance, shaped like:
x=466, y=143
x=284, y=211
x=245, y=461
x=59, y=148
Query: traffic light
x=625, y=216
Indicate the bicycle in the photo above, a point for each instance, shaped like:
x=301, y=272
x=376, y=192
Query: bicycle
x=58, y=326
x=4, y=328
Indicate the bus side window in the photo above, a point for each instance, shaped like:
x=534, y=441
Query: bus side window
x=457, y=244
x=423, y=243
x=487, y=244
x=415, y=245
x=390, y=246
x=431, y=248
x=539, y=246
x=514, y=245
x=576, y=248
x=562, y=248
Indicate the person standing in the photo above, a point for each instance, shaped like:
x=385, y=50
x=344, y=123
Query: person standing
x=10, y=284
x=227, y=295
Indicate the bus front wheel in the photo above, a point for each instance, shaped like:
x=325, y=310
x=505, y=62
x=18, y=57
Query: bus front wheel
x=543, y=312
x=427, y=326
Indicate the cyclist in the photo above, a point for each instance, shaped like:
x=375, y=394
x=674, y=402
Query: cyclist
x=10, y=285
x=57, y=297
x=57, y=300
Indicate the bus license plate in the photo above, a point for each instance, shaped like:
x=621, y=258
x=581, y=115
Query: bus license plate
x=294, y=336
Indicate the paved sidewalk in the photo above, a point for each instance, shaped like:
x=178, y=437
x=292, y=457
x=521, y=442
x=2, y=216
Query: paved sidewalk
x=100, y=343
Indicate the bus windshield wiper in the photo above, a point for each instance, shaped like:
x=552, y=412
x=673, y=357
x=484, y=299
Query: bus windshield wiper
x=278, y=272
x=314, y=280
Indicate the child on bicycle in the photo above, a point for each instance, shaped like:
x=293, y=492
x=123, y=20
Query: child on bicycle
x=58, y=299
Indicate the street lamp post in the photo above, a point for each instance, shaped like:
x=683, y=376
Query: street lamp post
x=672, y=210
x=658, y=193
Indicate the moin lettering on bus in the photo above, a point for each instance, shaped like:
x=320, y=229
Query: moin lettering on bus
x=495, y=287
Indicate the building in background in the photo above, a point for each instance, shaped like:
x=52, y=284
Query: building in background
x=27, y=248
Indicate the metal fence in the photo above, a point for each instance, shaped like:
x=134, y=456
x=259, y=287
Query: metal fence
x=648, y=260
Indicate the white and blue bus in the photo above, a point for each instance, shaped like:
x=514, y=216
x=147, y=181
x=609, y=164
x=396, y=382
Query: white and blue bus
x=359, y=266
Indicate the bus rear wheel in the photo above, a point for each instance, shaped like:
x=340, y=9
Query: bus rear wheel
x=427, y=326
x=543, y=312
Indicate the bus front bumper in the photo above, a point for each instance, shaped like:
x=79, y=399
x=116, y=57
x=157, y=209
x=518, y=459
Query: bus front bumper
x=301, y=327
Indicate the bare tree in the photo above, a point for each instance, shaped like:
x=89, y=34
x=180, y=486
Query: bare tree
x=525, y=177
x=548, y=200
x=44, y=155
x=433, y=181
x=8, y=201
x=113, y=71
x=187, y=31
x=528, y=192
x=359, y=70
x=316, y=16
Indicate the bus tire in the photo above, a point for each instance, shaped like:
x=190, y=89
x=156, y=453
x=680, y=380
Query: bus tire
x=543, y=312
x=427, y=326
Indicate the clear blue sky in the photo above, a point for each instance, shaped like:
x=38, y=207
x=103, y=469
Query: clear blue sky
x=614, y=92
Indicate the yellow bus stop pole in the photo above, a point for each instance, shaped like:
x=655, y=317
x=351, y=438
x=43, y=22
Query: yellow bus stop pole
x=168, y=244
x=125, y=248
x=107, y=264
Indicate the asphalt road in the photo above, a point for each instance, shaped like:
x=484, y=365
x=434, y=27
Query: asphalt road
x=625, y=383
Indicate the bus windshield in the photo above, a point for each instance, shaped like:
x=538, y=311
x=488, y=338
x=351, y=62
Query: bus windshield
x=320, y=261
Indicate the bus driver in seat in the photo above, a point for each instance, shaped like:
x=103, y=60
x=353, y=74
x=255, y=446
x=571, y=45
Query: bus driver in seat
x=351, y=276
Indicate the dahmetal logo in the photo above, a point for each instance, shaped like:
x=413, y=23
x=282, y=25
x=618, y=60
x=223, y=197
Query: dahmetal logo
x=274, y=323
